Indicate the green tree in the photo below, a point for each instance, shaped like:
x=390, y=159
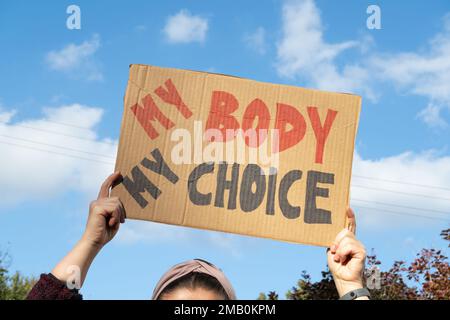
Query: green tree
x=15, y=286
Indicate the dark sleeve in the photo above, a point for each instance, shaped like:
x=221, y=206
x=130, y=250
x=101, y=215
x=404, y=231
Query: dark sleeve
x=50, y=288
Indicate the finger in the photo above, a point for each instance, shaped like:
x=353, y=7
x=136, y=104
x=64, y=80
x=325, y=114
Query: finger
x=344, y=245
x=348, y=231
x=122, y=212
x=341, y=235
x=104, y=189
x=112, y=222
x=110, y=211
x=102, y=208
x=351, y=249
x=105, y=208
x=333, y=248
x=330, y=256
x=117, y=204
x=343, y=253
x=115, y=217
x=351, y=221
x=110, y=200
x=346, y=241
x=116, y=227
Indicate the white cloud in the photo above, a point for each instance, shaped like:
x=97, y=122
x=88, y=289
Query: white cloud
x=77, y=60
x=6, y=116
x=426, y=168
x=366, y=43
x=425, y=73
x=134, y=231
x=431, y=115
x=257, y=40
x=41, y=158
x=303, y=53
x=302, y=46
x=184, y=27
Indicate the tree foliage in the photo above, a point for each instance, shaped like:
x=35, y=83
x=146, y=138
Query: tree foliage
x=426, y=277
x=13, y=286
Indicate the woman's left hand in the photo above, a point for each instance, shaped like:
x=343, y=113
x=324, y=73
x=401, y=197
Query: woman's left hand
x=346, y=258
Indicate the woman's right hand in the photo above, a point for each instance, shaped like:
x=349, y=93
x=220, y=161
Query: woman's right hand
x=105, y=215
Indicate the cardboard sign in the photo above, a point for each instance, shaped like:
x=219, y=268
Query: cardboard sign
x=223, y=153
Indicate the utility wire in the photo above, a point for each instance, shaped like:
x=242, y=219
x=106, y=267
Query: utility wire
x=384, y=211
x=53, y=152
x=112, y=143
x=353, y=185
x=379, y=210
x=404, y=183
x=57, y=146
x=63, y=134
x=401, y=206
x=401, y=192
x=67, y=124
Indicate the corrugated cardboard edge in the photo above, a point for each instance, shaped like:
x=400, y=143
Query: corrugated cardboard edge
x=244, y=78
x=353, y=156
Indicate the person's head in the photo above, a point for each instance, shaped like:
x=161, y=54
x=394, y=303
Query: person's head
x=194, y=280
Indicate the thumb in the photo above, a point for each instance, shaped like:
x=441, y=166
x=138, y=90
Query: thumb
x=104, y=189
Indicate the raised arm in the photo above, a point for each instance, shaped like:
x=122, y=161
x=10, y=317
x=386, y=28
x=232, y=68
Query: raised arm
x=346, y=259
x=105, y=216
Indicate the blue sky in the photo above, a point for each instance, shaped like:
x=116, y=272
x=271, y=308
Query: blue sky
x=58, y=84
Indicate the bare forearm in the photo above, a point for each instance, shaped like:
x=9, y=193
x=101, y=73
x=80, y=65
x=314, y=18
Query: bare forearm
x=105, y=216
x=77, y=262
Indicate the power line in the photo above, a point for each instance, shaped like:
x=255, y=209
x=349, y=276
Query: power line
x=63, y=134
x=112, y=143
x=57, y=146
x=401, y=192
x=67, y=124
x=380, y=211
x=101, y=155
x=384, y=211
x=53, y=152
x=404, y=183
x=401, y=206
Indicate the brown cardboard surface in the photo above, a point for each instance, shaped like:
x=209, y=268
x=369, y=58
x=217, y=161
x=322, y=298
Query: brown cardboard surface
x=278, y=206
